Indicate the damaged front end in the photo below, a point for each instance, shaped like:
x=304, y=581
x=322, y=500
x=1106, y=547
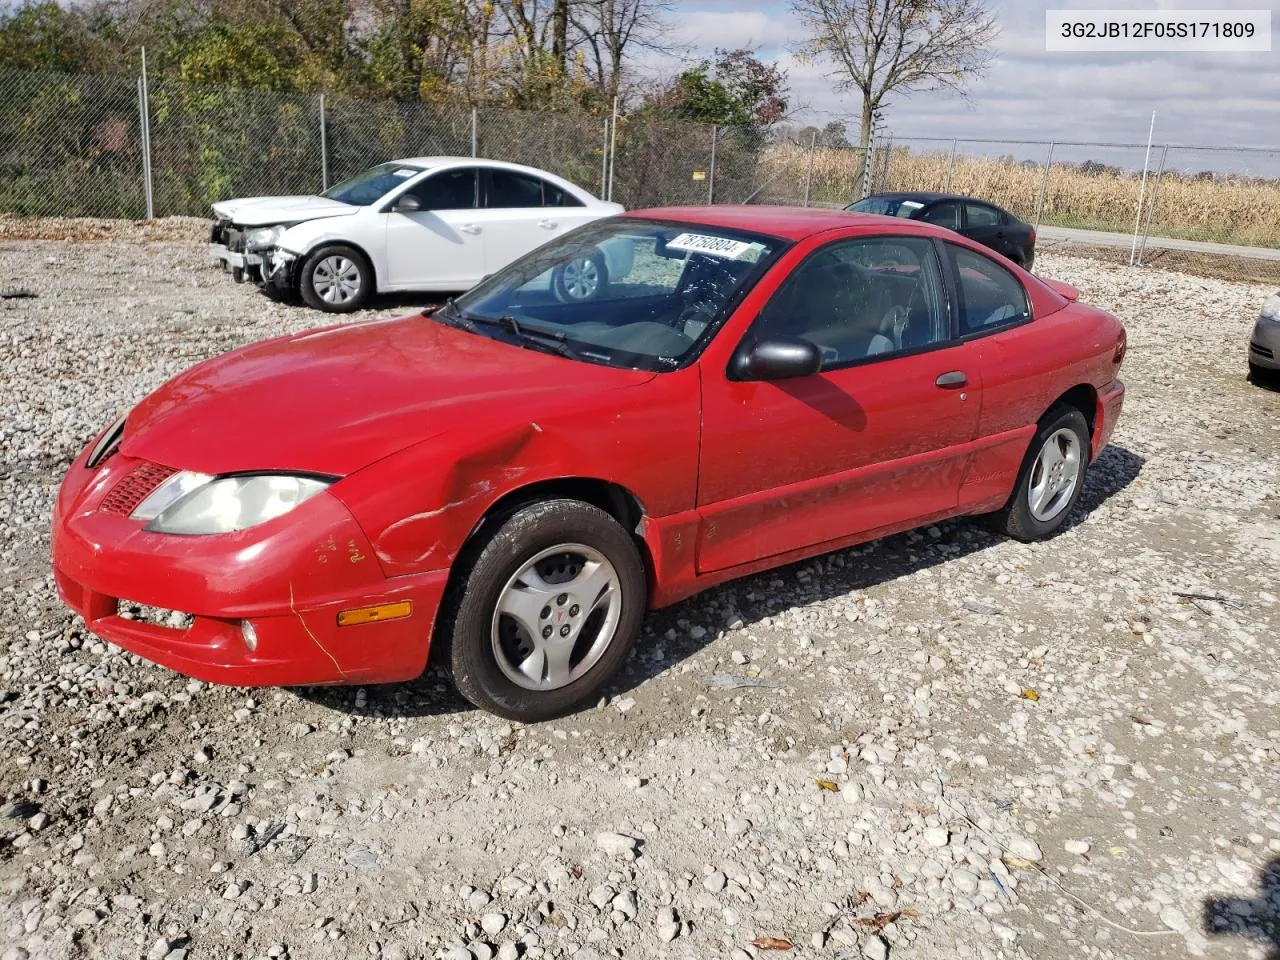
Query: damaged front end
x=241, y=250
x=278, y=270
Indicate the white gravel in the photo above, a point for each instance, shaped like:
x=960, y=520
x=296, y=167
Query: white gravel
x=1128, y=812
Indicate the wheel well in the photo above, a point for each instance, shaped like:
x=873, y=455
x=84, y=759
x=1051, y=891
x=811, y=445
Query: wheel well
x=373, y=270
x=617, y=501
x=1085, y=399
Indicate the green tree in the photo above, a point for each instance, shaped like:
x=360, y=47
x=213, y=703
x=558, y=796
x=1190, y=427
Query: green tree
x=48, y=36
x=737, y=89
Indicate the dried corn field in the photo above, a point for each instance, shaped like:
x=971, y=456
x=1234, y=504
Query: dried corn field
x=1224, y=208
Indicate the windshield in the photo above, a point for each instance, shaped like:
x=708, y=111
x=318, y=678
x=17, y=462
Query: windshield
x=625, y=292
x=369, y=187
x=886, y=206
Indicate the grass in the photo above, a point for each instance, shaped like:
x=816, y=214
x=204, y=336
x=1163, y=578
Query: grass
x=1225, y=209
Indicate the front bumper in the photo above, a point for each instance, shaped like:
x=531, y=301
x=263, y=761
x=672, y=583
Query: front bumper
x=1264, y=345
x=289, y=578
x=1110, y=404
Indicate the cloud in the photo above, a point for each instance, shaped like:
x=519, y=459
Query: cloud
x=1028, y=94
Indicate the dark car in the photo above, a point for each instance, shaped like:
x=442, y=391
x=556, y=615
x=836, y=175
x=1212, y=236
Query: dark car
x=976, y=219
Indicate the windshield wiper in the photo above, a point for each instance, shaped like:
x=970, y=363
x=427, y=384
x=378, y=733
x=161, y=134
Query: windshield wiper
x=555, y=341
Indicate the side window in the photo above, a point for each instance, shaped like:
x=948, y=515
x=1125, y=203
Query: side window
x=447, y=190
x=510, y=189
x=945, y=214
x=990, y=296
x=867, y=297
x=980, y=215
x=553, y=196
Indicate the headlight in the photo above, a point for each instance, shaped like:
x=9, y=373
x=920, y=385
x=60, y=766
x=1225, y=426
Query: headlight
x=1271, y=309
x=198, y=504
x=262, y=237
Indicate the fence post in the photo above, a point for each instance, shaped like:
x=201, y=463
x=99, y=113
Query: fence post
x=324, y=148
x=613, y=149
x=475, y=134
x=1044, y=185
x=1142, y=191
x=1151, y=208
x=951, y=165
x=144, y=108
x=711, y=174
x=604, y=158
x=808, y=177
x=886, y=157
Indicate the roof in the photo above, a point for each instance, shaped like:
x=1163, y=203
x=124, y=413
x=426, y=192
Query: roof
x=928, y=196
x=428, y=163
x=787, y=223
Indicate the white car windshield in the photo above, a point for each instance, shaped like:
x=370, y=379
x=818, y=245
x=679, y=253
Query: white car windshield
x=623, y=291
x=369, y=187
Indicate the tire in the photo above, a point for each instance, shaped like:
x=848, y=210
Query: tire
x=344, y=282
x=1040, y=505
x=561, y=567
x=580, y=281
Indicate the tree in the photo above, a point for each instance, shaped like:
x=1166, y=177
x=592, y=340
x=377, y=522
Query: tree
x=738, y=90
x=885, y=47
x=607, y=29
x=48, y=36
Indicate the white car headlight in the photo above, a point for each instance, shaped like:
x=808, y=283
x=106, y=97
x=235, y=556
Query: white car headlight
x=262, y=237
x=1271, y=308
x=197, y=504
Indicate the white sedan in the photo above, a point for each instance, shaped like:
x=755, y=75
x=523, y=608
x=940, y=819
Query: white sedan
x=426, y=223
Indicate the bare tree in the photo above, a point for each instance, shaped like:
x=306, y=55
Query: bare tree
x=609, y=29
x=884, y=47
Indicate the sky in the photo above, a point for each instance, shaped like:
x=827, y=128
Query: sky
x=1222, y=99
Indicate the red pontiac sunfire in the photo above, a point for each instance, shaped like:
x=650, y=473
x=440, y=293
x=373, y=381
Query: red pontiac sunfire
x=517, y=476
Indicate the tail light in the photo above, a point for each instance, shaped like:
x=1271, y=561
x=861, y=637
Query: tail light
x=1033, y=234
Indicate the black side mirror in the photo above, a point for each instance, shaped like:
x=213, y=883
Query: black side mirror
x=407, y=203
x=777, y=358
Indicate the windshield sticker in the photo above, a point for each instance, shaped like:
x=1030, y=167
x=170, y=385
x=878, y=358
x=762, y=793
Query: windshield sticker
x=909, y=207
x=403, y=172
x=713, y=246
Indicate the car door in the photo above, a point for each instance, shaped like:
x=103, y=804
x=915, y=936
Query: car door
x=439, y=246
x=993, y=315
x=878, y=439
x=986, y=224
x=516, y=215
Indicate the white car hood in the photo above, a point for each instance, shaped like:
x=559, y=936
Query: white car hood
x=266, y=211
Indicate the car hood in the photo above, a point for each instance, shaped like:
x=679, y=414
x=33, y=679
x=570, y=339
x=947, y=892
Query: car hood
x=267, y=211
x=334, y=400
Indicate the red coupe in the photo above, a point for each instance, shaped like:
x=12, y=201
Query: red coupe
x=516, y=477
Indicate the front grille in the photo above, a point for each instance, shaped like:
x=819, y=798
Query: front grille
x=134, y=487
x=1262, y=351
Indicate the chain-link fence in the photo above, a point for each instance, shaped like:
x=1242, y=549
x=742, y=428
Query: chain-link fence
x=114, y=146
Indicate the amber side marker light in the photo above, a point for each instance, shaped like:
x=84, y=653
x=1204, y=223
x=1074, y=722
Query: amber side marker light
x=383, y=611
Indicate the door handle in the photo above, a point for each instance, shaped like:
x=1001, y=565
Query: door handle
x=469, y=228
x=547, y=224
x=954, y=378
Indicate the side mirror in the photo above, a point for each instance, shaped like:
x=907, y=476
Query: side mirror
x=407, y=203
x=777, y=358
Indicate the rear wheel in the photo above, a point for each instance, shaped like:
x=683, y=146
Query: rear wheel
x=336, y=279
x=546, y=613
x=1051, y=478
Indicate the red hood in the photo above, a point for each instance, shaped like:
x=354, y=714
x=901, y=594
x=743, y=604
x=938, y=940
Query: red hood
x=335, y=400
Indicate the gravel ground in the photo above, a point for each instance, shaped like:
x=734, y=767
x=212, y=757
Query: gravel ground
x=943, y=745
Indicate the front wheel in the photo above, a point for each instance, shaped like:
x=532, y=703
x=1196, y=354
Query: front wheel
x=546, y=613
x=1051, y=479
x=336, y=279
